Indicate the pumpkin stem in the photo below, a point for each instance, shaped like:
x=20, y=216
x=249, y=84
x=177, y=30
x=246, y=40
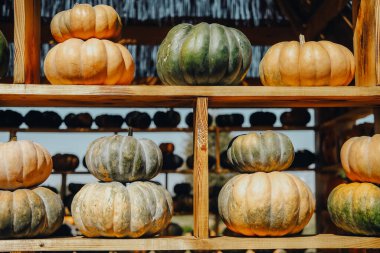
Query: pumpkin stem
x=302, y=39
x=130, y=131
x=12, y=136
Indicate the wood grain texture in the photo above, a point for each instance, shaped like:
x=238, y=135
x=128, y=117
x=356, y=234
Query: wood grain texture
x=200, y=186
x=321, y=241
x=367, y=43
x=27, y=41
x=184, y=96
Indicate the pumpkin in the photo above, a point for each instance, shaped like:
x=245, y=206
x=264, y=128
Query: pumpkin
x=65, y=162
x=229, y=120
x=28, y=213
x=307, y=64
x=262, y=119
x=266, y=204
x=109, y=121
x=182, y=189
x=171, y=161
x=167, y=148
x=360, y=158
x=80, y=120
x=4, y=55
x=203, y=54
x=183, y=204
x=190, y=162
x=89, y=62
x=224, y=162
x=170, y=118
x=123, y=159
x=265, y=152
x=303, y=159
x=138, y=119
x=173, y=229
x=9, y=118
x=23, y=164
x=84, y=22
x=295, y=117
x=190, y=119
x=47, y=119
x=355, y=208
x=115, y=210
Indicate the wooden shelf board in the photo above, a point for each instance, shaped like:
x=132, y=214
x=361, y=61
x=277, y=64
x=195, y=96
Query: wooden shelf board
x=189, y=243
x=184, y=96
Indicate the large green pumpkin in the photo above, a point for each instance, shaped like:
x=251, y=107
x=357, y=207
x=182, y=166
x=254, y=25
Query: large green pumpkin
x=123, y=159
x=4, y=55
x=355, y=208
x=203, y=54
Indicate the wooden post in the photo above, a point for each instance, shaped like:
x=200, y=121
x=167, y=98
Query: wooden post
x=27, y=19
x=200, y=188
x=376, y=114
x=218, y=169
x=367, y=42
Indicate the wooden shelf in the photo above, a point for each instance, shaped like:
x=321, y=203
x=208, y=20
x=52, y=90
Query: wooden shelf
x=322, y=241
x=184, y=96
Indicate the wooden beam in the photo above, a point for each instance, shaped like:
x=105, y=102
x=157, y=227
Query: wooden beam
x=293, y=18
x=367, y=44
x=200, y=186
x=349, y=117
x=27, y=41
x=355, y=10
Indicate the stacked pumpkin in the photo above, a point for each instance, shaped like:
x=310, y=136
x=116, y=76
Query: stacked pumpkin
x=115, y=209
x=85, y=54
x=266, y=202
x=26, y=210
x=355, y=207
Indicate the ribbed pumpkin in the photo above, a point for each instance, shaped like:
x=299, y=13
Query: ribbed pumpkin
x=84, y=22
x=204, y=54
x=4, y=55
x=265, y=152
x=115, y=210
x=355, y=208
x=89, y=62
x=123, y=159
x=23, y=164
x=294, y=63
x=28, y=213
x=266, y=204
x=360, y=158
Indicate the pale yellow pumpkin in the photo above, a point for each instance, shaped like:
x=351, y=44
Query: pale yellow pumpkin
x=294, y=63
x=89, y=62
x=23, y=164
x=360, y=158
x=266, y=204
x=84, y=21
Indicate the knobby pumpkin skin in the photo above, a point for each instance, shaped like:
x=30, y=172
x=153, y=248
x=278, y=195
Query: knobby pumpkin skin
x=203, y=54
x=23, y=164
x=355, y=208
x=123, y=159
x=294, y=63
x=266, y=204
x=4, y=55
x=360, y=158
x=265, y=152
x=89, y=62
x=115, y=210
x=28, y=213
x=84, y=22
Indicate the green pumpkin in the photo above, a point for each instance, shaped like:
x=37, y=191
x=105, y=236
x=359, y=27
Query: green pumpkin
x=4, y=55
x=123, y=159
x=355, y=208
x=204, y=54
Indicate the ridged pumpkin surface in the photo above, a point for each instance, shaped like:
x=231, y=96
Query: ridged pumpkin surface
x=115, y=210
x=266, y=204
x=4, y=55
x=23, y=164
x=203, y=54
x=123, y=159
x=84, y=22
x=355, y=208
x=265, y=152
x=361, y=160
x=30, y=213
x=89, y=62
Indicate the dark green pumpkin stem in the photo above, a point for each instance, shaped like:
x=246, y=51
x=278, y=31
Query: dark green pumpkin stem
x=130, y=131
x=12, y=136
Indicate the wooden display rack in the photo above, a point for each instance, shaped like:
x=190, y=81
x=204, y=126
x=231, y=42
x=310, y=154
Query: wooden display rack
x=26, y=72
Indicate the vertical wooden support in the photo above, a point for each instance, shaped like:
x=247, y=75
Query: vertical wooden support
x=376, y=113
x=27, y=19
x=218, y=169
x=200, y=188
x=367, y=42
x=63, y=185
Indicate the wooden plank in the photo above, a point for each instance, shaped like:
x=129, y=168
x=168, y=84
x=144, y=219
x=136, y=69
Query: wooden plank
x=321, y=241
x=376, y=113
x=350, y=116
x=184, y=96
x=355, y=10
x=27, y=41
x=200, y=185
x=367, y=44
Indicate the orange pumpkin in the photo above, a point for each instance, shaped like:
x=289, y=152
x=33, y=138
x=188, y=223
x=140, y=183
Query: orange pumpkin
x=89, y=62
x=294, y=63
x=84, y=21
